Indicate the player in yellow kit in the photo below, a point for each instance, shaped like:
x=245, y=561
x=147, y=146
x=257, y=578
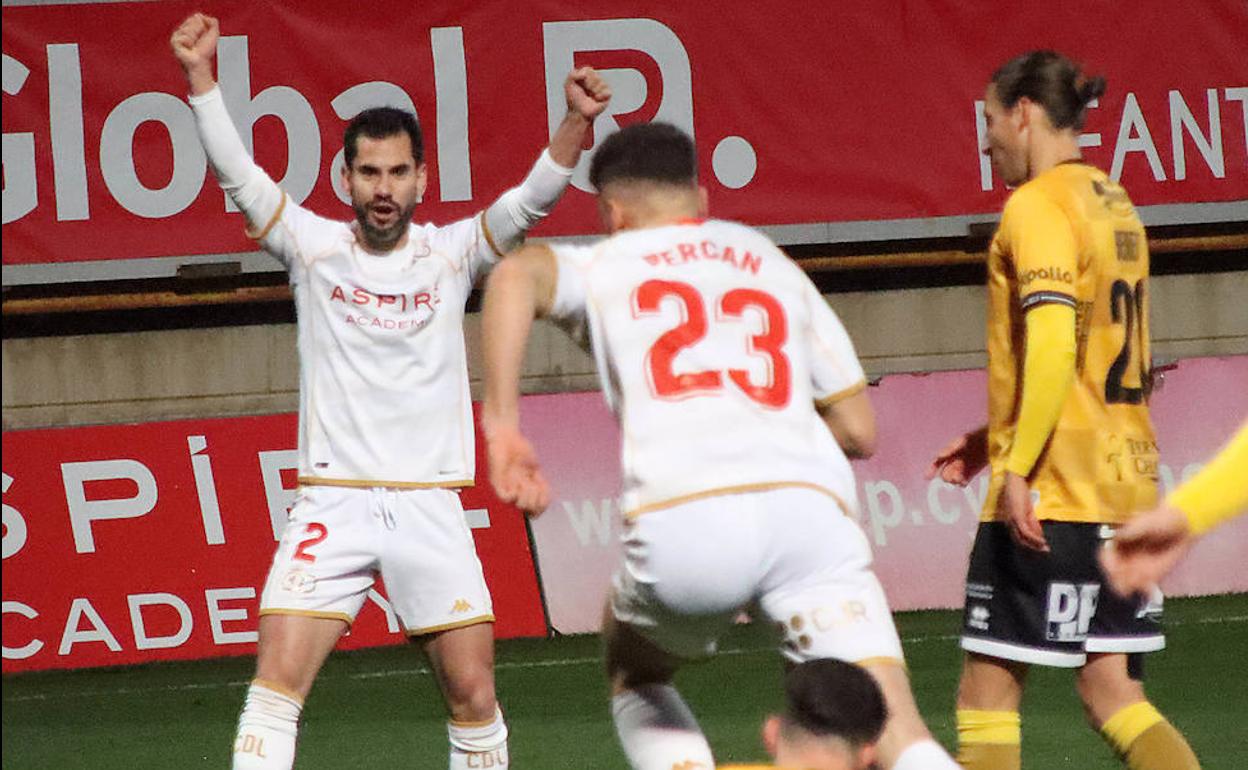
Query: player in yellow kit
x=1149, y=545
x=1069, y=441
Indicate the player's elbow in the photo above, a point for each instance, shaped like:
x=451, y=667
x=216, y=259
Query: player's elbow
x=860, y=444
x=852, y=422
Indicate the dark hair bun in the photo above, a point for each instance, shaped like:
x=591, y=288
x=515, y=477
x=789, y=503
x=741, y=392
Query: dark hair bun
x=1091, y=88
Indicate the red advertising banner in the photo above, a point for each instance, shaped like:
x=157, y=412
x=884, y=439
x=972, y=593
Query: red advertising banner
x=921, y=531
x=136, y=543
x=804, y=113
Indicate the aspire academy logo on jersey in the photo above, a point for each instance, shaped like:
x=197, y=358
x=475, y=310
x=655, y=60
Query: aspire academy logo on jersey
x=401, y=303
x=1051, y=273
x=413, y=310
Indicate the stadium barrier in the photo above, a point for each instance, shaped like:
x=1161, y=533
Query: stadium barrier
x=136, y=543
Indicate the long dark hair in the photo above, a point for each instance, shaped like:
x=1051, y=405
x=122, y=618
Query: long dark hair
x=1052, y=81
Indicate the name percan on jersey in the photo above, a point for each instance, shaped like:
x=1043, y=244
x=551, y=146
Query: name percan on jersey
x=1072, y=236
x=383, y=398
x=712, y=348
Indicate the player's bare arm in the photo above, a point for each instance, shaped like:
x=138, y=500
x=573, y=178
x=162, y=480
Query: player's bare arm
x=520, y=289
x=852, y=422
x=587, y=96
x=194, y=44
x=961, y=459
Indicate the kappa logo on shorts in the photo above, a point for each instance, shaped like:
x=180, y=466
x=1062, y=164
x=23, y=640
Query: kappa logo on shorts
x=1070, y=611
x=298, y=581
x=460, y=605
x=979, y=617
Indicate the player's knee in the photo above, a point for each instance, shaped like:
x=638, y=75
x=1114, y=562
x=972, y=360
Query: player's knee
x=633, y=661
x=631, y=678
x=470, y=696
x=628, y=670
x=286, y=678
x=1103, y=695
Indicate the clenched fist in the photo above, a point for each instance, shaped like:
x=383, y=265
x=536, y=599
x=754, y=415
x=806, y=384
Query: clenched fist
x=194, y=45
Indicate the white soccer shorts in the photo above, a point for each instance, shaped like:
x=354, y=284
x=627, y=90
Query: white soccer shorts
x=339, y=539
x=690, y=570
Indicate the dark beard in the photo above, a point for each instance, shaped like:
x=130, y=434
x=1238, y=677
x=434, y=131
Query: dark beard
x=382, y=238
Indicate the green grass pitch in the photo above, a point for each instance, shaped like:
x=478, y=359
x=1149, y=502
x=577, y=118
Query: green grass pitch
x=379, y=708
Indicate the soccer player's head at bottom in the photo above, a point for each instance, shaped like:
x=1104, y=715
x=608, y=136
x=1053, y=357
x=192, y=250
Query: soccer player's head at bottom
x=833, y=719
x=646, y=176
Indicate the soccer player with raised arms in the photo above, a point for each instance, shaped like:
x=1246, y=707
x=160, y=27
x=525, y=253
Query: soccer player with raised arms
x=739, y=396
x=385, y=422
x=1069, y=440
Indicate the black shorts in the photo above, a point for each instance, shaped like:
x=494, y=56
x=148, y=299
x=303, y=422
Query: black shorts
x=1051, y=609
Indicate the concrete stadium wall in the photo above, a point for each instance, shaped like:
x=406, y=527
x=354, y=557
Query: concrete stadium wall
x=212, y=372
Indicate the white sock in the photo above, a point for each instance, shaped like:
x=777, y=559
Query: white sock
x=266, y=730
x=658, y=731
x=925, y=755
x=479, y=745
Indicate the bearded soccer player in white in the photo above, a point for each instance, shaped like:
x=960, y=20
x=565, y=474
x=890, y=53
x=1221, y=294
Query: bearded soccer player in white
x=385, y=423
x=720, y=358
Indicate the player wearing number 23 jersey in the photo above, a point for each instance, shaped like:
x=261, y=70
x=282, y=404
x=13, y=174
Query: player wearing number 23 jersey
x=739, y=398
x=1071, y=236
x=704, y=325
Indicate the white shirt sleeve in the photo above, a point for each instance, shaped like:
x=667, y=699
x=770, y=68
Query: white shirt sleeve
x=516, y=211
x=834, y=366
x=464, y=243
x=570, y=310
x=571, y=285
x=255, y=194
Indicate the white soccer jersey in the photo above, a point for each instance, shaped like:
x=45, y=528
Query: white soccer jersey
x=712, y=347
x=383, y=397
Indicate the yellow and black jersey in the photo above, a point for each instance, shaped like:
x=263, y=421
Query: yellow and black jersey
x=1071, y=236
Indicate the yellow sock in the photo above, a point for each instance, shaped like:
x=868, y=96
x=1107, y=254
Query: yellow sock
x=989, y=740
x=1146, y=741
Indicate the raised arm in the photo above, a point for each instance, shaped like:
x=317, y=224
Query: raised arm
x=194, y=45
x=520, y=289
x=508, y=219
